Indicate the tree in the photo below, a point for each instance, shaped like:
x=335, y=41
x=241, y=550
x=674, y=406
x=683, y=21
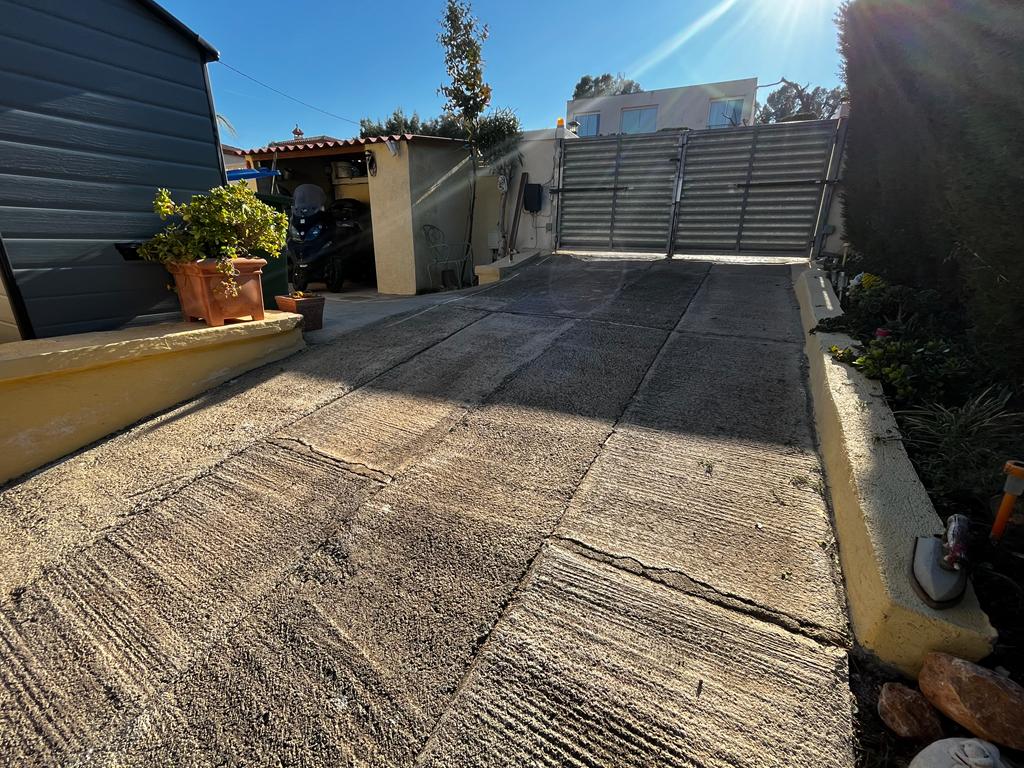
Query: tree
x=792, y=99
x=590, y=87
x=498, y=140
x=467, y=95
x=446, y=125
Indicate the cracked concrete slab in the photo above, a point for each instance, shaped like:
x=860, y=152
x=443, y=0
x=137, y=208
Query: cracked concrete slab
x=594, y=666
x=336, y=560
x=650, y=293
x=101, y=632
x=392, y=609
x=74, y=500
x=391, y=422
x=712, y=475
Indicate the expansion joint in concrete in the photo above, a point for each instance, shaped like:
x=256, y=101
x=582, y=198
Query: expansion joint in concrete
x=703, y=590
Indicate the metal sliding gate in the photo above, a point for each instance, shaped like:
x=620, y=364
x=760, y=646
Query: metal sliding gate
x=749, y=189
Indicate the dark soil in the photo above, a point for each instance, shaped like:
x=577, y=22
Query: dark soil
x=875, y=745
x=998, y=576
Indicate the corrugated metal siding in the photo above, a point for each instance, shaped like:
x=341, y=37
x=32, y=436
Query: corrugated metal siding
x=753, y=189
x=101, y=102
x=617, y=192
x=740, y=189
x=588, y=185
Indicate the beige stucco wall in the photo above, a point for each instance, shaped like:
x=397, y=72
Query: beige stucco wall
x=685, y=107
x=539, y=151
x=61, y=393
x=439, y=178
x=391, y=214
x=485, y=217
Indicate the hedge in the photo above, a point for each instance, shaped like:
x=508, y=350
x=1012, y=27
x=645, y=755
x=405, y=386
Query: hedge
x=934, y=182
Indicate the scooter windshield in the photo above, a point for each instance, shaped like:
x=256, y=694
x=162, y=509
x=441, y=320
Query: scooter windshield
x=308, y=199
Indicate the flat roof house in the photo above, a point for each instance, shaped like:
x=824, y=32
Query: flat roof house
x=709, y=105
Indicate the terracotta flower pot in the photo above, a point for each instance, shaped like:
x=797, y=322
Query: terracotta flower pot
x=310, y=307
x=202, y=295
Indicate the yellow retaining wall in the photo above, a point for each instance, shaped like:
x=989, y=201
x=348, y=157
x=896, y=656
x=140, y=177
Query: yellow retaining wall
x=879, y=504
x=60, y=394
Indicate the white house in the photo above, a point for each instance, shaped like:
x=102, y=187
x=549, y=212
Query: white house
x=710, y=105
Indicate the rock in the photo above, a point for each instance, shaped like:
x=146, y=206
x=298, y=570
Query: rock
x=907, y=713
x=989, y=706
x=958, y=753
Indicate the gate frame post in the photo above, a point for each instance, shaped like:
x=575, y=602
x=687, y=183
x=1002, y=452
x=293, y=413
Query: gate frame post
x=677, y=193
x=615, y=193
x=832, y=173
x=746, y=187
x=557, y=218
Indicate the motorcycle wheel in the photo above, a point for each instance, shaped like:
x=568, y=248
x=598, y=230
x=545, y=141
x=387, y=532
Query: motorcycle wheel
x=300, y=281
x=335, y=278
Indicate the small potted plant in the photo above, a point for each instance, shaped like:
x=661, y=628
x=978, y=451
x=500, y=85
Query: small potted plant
x=213, y=251
x=307, y=304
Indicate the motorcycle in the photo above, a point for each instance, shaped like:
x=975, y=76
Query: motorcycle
x=328, y=243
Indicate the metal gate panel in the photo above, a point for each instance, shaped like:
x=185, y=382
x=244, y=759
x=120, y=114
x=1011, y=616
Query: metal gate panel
x=588, y=186
x=786, y=182
x=711, y=206
x=643, y=196
x=753, y=188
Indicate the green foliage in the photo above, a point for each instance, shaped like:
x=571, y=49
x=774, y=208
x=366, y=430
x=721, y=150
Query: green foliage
x=466, y=93
x=446, y=126
x=935, y=174
x=791, y=99
x=915, y=371
x=843, y=354
x=963, y=447
x=590, y=87
x=226, y=223
x=903, y=311
x=498, y=140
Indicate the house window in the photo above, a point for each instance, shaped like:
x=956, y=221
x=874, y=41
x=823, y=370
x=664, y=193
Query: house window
x=640, y=120
x=590, y=124
x=725, y=113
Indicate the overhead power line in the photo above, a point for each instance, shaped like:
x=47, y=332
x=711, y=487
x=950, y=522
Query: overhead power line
x=286, y=95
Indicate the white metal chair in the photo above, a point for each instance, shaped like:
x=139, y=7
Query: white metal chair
x=446, y=255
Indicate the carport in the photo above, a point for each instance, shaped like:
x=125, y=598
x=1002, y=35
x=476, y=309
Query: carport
x=408, y=181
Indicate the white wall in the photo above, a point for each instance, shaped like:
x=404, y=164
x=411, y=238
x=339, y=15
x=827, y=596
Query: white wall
x=539, y=150
x=685, y=107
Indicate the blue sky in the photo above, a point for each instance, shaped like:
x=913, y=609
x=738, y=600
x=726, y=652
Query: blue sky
x=358, y=59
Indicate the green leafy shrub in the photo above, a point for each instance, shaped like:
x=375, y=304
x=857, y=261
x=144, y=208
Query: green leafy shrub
x=843, y=354
x=226, y=223
x=915, y=371
x=962, y=448
x=899, y=309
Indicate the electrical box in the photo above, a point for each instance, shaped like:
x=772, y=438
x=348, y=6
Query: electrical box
x=533, y=198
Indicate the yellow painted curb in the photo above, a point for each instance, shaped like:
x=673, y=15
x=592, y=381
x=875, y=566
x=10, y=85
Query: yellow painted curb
x=879, y=504
x=62, y=393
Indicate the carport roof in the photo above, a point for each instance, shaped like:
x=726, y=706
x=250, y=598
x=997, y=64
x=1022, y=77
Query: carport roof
x=319, y=145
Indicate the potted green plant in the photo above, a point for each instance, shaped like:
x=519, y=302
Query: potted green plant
x=307, y=304
x=213, y=251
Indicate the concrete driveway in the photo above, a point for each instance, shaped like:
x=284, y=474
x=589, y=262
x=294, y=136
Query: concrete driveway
x=572, y=519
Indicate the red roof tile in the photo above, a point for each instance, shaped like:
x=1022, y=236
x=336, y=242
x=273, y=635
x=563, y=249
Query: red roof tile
x=330, y=142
